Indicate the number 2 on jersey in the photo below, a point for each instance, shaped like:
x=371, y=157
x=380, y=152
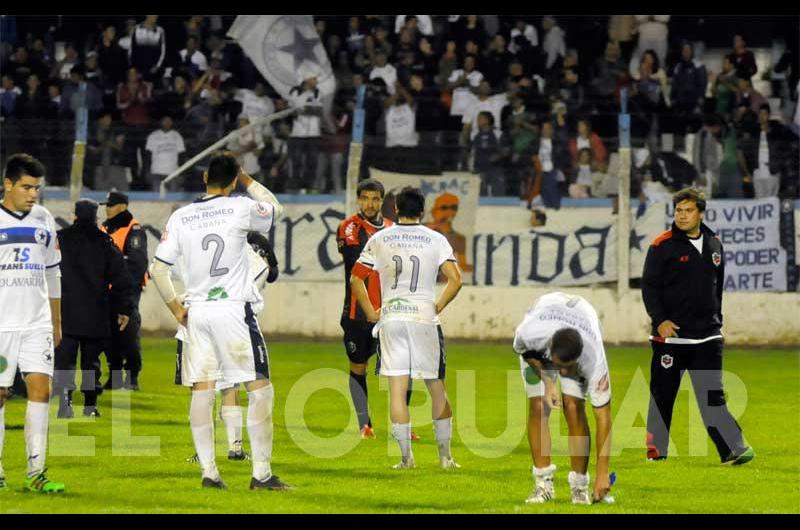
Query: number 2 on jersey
x=398, y=262
x=219, y=243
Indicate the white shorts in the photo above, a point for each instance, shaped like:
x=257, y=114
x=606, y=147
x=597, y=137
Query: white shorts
x=182, y=378
x=31, y=351
x=224, y=342
x=411, y=349
x=597, y=390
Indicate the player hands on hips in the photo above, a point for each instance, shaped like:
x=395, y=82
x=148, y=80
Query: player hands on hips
x=560, y=339
x=408, y=258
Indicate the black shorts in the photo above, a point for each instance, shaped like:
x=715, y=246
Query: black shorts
x=358, y=341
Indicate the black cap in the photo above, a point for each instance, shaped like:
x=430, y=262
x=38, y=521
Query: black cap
x=114, y=198
x=86, y=210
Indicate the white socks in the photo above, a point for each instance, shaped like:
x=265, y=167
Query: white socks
x=201, y=419
x=544, y=476
x=576, y=480
x=259, y=429
x=443, y=431
x=402, y=433
x=36, y=422
x=232, y=418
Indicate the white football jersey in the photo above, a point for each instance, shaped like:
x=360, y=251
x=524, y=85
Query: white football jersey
x=555, y=311
x=28, y=246
x=210, y=236
x=407, y=258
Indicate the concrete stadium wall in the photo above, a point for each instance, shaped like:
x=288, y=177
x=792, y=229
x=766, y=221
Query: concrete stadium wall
x=312, y=309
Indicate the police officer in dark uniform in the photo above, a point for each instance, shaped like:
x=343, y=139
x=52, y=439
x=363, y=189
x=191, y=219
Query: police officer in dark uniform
x=682, y=286
x=124, y=349
x=90, y=262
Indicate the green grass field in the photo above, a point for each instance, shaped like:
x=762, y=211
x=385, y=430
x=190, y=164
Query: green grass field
x=333, y=471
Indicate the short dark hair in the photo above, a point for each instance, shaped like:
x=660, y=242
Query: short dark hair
x=765, y=106
x=690, y=194
x=222, y=169
x=410, y=203
x=370, y=185
x=567, y=345
x=489, y=116
x=22, y=164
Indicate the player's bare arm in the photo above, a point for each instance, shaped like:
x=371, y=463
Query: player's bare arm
x=453, y=274
x=602, y=484
x=362, y=296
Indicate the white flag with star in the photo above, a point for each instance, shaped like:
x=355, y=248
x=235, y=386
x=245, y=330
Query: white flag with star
x=286, y=49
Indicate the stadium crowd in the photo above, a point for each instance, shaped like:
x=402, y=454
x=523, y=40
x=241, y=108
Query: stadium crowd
x=530, y=103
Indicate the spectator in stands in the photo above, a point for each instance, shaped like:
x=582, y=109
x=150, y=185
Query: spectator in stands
x=176, y=101
x=553, y=45
x=522, y=133
x=607, y=74
x=383, y=70
x=747, y=95
x=581, y=187
x=133, y=99
x=646, y=103
x=653, y=35
x=148, y=48
x=365, y=57
x=306, y=132
x=724, y=87
x=448, y=63
x=111, y=59
x=193, y=61
x=495, y=62
x=489, y=152
x=765, y=156
x=707, y=155
x=687, y=96
x=355, y=35
x=70, y=97
x=8, y=96
x=650, y=58
x=255, y=103
x=471, y=29
x=108, y=157
x=382, y=43
x=63, y=68
x=164, y=148
x=126, y=41
x=622, y=30
x=587, y=139
x=551, y=158
x=522, y=30
x=744, y=61
x=421, y=23
x=35, y=123
x=485, y=102
x=94, y=74
x=248, y=148
x=463, y=83
x=21, y=65
x=401, y=129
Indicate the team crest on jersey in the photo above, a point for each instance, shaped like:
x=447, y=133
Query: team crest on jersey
x=41, y=236
x=716, y=257
x=261, y=209
x=666, y=361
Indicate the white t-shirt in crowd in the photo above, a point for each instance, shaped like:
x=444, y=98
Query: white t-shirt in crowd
x=424, y=23
x=197, y=58
x=493, y=104
x=248, y=160
x=165, y=147
x=305, y=125
x=388, y=73
x=401, y=126
x=546, y=154
x=463, y=96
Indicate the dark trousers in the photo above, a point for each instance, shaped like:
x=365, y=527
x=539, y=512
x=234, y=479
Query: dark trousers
x=124, y=349
x=66, y=361
x=704, y=363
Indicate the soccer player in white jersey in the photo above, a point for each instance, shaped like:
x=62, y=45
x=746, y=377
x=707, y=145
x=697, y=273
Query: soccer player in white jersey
x=560, y=338
x=30, y=298
x=210, y=235
x=408, y=258
x=263, y=270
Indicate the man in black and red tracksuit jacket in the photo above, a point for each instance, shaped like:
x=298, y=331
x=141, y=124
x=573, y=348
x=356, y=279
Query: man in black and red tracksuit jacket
x=682, y=286
x=351, y=237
